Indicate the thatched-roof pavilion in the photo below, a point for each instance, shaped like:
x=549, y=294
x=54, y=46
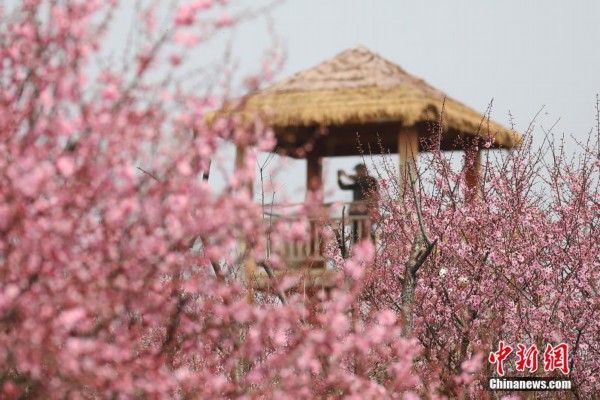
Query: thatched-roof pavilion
x=320, y=111
x=360, y=92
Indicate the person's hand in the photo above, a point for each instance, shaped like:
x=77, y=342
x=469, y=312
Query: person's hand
x=341, y=173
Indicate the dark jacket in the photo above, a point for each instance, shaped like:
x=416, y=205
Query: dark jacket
x=362, y=189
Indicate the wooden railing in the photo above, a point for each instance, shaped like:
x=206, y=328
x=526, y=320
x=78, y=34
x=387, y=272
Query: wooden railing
x=306, y=260
x=347, y=230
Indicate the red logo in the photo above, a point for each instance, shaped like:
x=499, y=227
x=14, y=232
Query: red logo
x=527, y=359
x=556, y=357
x=499, y=356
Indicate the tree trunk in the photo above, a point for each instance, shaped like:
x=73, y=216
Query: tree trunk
x=415, y=260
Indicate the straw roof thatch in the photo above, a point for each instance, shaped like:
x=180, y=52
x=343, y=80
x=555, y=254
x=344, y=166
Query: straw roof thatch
x=358, y=88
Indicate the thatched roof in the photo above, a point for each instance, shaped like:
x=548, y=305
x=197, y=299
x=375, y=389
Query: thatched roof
x=358, y=88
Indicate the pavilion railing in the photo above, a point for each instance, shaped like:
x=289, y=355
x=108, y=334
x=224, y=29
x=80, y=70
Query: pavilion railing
x=345, y=228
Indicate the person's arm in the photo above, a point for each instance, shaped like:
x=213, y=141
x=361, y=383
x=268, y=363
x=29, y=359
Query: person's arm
x=345, y=186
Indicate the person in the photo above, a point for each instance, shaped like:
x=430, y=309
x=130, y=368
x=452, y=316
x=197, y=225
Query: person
x=364, y=196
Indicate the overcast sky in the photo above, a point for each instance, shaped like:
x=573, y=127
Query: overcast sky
x=522, y=54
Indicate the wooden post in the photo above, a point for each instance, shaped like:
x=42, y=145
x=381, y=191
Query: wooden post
x=243, y=249
x=314, y=174
x=472, y=169
x=408, y=149
x=314, y=191
x=240, y=161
